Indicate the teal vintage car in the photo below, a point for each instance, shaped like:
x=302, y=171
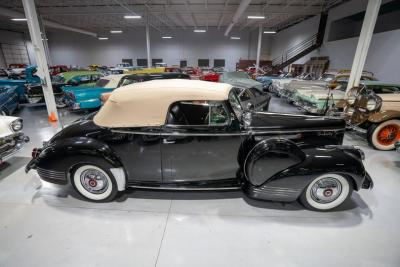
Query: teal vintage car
x=85, y=98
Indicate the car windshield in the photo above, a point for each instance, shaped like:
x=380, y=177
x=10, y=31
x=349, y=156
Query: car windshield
x=235, y=103
x=242, y=75
x=58, y=78
x=102, y=83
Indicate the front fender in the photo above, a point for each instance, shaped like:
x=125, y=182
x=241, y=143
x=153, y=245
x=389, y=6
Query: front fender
x=62, y=154
x=384, y=116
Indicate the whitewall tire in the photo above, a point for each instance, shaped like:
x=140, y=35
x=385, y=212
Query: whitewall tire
x=326, y=192
x=94, y=183
x=384, y=136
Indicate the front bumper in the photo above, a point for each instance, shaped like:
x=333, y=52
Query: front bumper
x=14, y=144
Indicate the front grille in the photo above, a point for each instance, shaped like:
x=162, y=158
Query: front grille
x=8, y=142
x=51, y=175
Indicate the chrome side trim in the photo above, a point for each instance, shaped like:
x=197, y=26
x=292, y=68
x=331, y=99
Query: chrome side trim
x=119, y=176
x=185, y=188
x=252, y=131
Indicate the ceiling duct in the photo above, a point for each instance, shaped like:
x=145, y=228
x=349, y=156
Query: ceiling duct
x=239, y=12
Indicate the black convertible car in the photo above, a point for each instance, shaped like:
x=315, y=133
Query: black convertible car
x=195, y=135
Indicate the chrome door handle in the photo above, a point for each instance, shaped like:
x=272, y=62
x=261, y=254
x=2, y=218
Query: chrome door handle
x=165, y=141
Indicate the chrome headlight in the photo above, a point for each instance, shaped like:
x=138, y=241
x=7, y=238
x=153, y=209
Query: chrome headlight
x=352, y=97
x=16, y=125
x=371, y=104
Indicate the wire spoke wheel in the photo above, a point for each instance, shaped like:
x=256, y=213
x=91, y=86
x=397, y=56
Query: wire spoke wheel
x=389, y=134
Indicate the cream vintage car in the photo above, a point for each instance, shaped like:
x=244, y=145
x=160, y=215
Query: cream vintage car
x=11, y=137
x=374, y=109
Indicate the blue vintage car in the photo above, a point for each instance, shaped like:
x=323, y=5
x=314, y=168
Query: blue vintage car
x=267, y=80
x=84, y=98
x=20, y=85
x=8, y=99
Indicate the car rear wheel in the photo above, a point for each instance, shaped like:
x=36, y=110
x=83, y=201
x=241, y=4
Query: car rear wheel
x=94, y=183
x=383, y=136
x=326, y=192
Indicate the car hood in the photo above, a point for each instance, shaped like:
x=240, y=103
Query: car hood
x=5, y=122
x=80, y=128
x=266, y=121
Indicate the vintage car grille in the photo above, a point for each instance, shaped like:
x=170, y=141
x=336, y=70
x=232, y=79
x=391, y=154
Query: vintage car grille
x=8, y=142
x=51, y=175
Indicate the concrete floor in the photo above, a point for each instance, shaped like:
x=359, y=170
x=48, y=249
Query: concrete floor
x=46, y=225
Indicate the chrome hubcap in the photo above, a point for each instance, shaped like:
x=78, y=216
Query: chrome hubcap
x=94, y=181
x=326, y=190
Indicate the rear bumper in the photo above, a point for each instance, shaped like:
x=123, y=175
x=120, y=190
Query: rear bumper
x=15, y=146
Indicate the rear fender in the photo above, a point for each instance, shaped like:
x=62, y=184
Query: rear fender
x=269, y=157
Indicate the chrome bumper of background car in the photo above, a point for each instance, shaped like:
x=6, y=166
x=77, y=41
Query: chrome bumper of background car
x=19, y=140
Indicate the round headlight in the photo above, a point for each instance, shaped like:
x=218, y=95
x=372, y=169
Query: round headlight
x=371, y=104
x=16, y=125
x=352, y=97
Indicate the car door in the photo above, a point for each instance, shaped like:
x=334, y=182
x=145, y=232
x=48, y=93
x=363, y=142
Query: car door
x=199, y=142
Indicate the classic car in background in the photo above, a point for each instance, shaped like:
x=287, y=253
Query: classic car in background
x=145, y=70
x=20, y=84
x=374, y=109
x=57, y=69
x=195, y=73
x=267, y=80
x=79, y=98
x=8, y=99
x=240, y=79
x=277, y=86
x=61, y=82
x=253, y=99
x=210, y=77
x=3, y=74
x=269, y=156
x=12, y=138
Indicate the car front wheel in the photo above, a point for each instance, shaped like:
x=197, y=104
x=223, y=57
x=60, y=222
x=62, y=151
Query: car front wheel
x=384, y=136
x=94, y=183
x=326, y=192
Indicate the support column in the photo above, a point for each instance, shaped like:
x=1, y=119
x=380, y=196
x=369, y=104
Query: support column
x=43, y=70
x=260, y=32
x=148, y=40
x=364, y=41
x=45, y=43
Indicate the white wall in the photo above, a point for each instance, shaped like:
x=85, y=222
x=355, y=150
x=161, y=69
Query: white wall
x=11, y=37
x=76, y=49
x=383, y=55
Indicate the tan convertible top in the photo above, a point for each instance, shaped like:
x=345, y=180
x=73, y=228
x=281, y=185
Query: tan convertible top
x=147, y=103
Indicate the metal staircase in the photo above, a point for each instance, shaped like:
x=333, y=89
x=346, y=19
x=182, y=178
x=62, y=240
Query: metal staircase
x=303, y=48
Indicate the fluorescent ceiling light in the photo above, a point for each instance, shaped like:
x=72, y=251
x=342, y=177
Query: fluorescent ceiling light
x=132, y=17
x=167, y=37
x=103, y=38
x=19, y=19
x=199, y=30
x=269, y=31
x=235, y=38
x=116, y=31
x=256, y=17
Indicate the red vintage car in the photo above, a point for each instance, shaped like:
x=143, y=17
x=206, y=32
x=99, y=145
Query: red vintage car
x=211, y=77
x=54, y=70
x=16, y=66
x=194, y=73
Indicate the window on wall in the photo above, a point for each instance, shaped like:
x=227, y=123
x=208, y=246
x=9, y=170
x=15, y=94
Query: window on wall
x=219, y=62
x=128, y=60
x=203, y=63
x=142, y=62
x=183, y=63
x=156, y=60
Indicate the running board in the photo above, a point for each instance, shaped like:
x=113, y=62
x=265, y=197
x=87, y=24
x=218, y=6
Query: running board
x=228, y=184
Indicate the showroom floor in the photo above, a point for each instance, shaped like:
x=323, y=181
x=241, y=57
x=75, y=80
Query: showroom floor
x=46, y=225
